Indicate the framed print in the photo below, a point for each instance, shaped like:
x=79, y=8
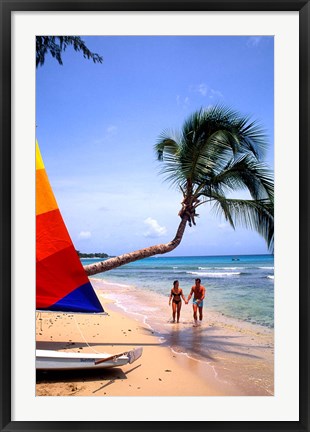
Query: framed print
x=203, y=311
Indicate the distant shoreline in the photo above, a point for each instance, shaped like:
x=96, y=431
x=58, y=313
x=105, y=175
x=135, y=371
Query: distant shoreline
x=183, y=256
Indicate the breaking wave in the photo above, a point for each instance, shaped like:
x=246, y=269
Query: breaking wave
x=215, y=274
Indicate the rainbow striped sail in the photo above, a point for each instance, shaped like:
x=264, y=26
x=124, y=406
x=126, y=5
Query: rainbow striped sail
x=61, y=282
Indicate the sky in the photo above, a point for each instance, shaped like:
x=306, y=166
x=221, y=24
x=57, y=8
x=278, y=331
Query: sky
x=97, y=125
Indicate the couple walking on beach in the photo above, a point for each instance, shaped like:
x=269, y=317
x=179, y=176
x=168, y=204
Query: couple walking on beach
x=176, y=294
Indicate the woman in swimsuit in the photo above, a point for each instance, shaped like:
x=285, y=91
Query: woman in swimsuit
x=175, y=296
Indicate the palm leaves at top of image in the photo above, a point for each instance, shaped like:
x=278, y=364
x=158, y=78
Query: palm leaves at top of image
x=217, y=153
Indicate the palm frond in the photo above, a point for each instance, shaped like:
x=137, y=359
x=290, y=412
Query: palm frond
x=167, y=151
x=256, y=215
x=245, y=172
x=253, y=137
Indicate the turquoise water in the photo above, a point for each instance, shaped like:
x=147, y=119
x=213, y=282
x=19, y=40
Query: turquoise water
x=240, y=286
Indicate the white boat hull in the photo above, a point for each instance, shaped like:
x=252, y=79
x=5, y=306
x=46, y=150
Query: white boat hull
x=58, y=360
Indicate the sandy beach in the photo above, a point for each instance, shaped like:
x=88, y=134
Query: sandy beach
x=239, y=360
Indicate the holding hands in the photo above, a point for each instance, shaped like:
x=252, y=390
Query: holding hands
x=176, y=296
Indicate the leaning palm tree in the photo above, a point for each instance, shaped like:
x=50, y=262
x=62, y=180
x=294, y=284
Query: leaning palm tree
x=217, y=153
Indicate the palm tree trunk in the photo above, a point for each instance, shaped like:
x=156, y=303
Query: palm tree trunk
x=120, y=260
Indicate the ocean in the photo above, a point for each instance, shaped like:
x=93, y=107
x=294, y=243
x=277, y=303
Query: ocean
x=235, y=338
x=240, y=287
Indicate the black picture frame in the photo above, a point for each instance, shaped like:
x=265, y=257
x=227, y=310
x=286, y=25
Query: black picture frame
x=7, y=7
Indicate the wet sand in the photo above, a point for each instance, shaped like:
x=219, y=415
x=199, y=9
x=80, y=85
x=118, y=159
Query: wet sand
x=221, y=357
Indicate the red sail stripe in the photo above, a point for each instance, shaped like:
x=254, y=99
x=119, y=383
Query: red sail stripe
x=52, y=234
x=57, y=276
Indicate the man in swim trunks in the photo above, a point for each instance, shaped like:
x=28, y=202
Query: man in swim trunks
x=199, y=292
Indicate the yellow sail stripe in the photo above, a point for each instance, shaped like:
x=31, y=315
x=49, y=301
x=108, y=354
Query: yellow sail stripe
x=39, y=160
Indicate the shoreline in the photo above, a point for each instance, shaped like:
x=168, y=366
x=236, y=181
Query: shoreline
x=217, y=358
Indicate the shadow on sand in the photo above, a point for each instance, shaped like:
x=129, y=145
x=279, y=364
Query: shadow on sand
x=205, y=344
x=105, y=377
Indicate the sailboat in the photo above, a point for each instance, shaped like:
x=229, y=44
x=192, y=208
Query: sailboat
x=61, y=282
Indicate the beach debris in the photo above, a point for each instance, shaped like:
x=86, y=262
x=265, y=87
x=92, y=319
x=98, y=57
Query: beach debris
x=73, y=387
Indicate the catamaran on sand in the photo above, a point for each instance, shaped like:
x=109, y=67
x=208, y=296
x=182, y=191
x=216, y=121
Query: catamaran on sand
x=58, y=360
x=61, y=282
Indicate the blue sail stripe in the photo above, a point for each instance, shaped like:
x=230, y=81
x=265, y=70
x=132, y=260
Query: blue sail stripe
x=82, y=299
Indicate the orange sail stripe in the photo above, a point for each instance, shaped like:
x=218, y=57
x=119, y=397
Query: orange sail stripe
x=52, y=234
x=45, y=200
x=57, y=276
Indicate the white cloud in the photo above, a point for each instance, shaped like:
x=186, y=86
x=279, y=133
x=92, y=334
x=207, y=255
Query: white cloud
x=223, y=225
x=204, y=90
x=84, y=235
x=254, y=41
x=111, y=130
x=200, y=88
x=183, y=102
x=108, y=133
x=154, y=229
x=215, y=94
